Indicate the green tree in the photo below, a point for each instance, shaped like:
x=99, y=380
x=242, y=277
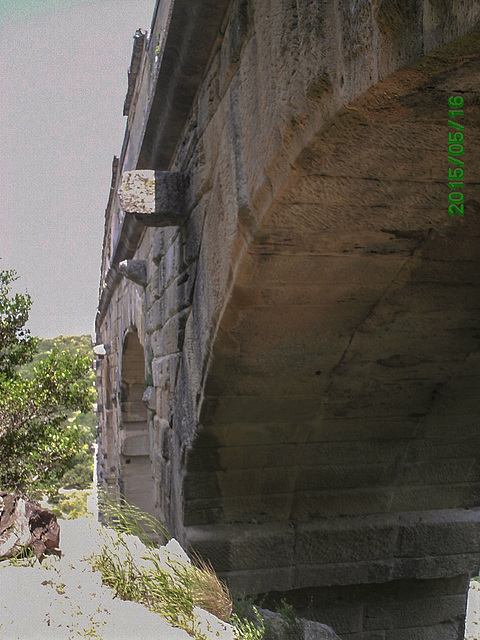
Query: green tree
x=36, y=441
x=17, y=346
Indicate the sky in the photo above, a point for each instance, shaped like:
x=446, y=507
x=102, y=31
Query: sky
x=63, y=75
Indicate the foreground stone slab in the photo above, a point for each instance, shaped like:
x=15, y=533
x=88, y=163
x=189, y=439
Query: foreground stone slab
x=25, y=525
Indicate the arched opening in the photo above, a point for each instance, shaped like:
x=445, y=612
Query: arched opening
x=136, y=481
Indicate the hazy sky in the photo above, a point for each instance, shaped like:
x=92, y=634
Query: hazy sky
x=63, y=72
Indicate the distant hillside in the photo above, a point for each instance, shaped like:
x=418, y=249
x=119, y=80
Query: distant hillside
x=73, y=344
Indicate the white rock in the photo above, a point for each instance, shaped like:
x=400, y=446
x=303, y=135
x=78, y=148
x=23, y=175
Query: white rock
x=211, y=626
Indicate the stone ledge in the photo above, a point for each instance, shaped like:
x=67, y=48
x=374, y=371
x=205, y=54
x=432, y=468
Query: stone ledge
x=342, y=551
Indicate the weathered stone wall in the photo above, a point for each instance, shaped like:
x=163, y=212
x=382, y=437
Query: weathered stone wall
x=309, y=334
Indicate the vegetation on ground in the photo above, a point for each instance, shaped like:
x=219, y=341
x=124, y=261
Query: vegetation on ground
x=166, y=586
x=72, y=504
x=173, y=591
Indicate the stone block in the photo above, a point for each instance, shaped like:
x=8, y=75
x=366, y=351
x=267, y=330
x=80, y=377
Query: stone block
x=245, y=547
x=257, y=579
x=448, y=532
x=155, y=316
x=151, y=292
x=165, y=370
x=335, y=503
x=157, y=197
x=158, y=246
x=134, y=270
x=173, y=262
x=345, y=476
x=345, y=540
x=427, y=612
x=175, y=297
x=445, y=631
x=239, y=509
x=173, y=333
x=194, y=231
x=159, y=368
x=135, y=444
x=133, y=412
x=164, y=398
x=434, y=567
x=149, y=398
x=342, y=573
x=200, y=485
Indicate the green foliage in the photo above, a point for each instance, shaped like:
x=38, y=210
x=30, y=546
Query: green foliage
x=71, y=505
x=37, y=444
x=75, y=345
x=79, y=473
x=247, y=630
x=293, y=628
x=17, y=346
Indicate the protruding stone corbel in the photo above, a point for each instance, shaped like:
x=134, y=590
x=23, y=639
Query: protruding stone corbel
x=157, y=198
x=101, y=350
x=134, y=270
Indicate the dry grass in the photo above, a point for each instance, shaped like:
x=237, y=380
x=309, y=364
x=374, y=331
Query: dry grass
x=172, y=591
x=208, y=591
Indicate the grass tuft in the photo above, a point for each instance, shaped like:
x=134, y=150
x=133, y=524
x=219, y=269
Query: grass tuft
x=126, y=518
x=163, y=582
x=172, y=585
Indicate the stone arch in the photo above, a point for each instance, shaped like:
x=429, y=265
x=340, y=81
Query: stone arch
x=135, y=473
x=335, y=434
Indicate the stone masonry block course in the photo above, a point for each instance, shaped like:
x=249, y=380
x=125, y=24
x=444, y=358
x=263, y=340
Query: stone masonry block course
x=435, y=566
x=334, y=503
x=345, y=476
x=414, y=613
x=441, y=631
x=440, y=538
x=347, y=573
x=346, y=541
x=249, y=545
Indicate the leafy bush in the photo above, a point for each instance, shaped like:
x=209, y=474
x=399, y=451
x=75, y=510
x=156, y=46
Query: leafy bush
x=71, y=505
x=36, y=443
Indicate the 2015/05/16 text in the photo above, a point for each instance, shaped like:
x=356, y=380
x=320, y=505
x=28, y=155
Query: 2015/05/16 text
x=455, y=150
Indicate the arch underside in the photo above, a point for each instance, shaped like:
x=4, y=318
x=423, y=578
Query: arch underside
x=343, y=386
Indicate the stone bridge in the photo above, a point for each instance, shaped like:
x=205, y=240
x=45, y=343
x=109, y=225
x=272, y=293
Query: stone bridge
x=288, y=328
